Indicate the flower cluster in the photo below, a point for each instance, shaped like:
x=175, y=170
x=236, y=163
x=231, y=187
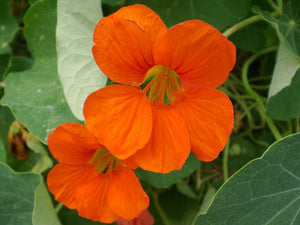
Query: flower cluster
x=163, y=106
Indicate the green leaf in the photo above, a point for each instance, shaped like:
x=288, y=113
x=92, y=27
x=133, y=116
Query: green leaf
x=166, y=180
x=19, y=64
x=208, y=198
x=2, y=152
x=70, y=217
x=17, y=196
x=43, y=211
x=242, y=150
x=178, y=208
x=112, y=2
x=284, y=92
x=77, y=68
x=4, y=59
x=265, y=191
x=254, y=37
x=287, y=27
x=219, y=13
x=8, y=26
x=6, y=119
x=35, y=96
x=44, y=162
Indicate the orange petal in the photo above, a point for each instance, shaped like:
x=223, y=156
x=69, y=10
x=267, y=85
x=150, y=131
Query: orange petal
x=199, y=54
x=208, y=114
x=71, y=143
x=145, y=218
x=94, y=200
x=126, y=196
x=120, y=117
x=124, y=43
x=82, y=188
x=169, y=145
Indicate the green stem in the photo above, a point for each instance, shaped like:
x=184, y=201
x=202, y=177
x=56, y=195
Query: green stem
x=159, y=209
x=58, y=207
x=280, y=4
x=241, y=25
x=274, y=6
x=198, y=179
x=207, y=178
x=297, y=125
x=257, y=98
x=225, y=160
x=245, y=23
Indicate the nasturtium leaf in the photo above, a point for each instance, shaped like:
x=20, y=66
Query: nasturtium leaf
x=44, y=162
x=286, y=105
x=35, y=96
x=17, y=196
x=207, y=199
x=219, y=14
x=8, y=26
x=265, y=191
x=43, y=211
x=77, y=70
x=112, y=2
x=2, y=152
x=32, y=1
x=178, y=208
x=160, y=180
x=185, y=189
x=6, y=118
x=4, y=60
x=254, y=37
x=19, y=63
x=70, y=217
x=287, y=27
x=284, y=92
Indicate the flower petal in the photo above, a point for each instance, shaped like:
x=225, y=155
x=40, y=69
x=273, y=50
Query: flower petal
x=124, y=43
x=120, y=117
x=72, y=143
x=126, y=196
x=82, y=188
x=145, y=218
x=169, y=145
x=197, y=52
x=208, y=114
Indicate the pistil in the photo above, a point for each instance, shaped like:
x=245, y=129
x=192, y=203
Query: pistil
x=163, y=86
x=104, y=161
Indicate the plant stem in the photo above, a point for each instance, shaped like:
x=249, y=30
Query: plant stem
x=280, y=4
x=245, y=23
x=58, y=207
x=160, y=211
x=198, y=179
x=241, y=25
x=257, y=98
x=225, y=160
x=274, y=6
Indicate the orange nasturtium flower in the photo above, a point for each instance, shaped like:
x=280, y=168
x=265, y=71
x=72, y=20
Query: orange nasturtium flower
x=90, y=179
x=166, y=103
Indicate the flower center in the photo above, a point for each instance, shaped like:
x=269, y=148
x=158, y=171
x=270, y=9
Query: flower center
x=161, y=84
x=104, y=161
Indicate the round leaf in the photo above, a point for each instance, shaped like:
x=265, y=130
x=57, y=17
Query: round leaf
x=35, y=96
x=265, y=191
x=77, y=69
x=17, y=196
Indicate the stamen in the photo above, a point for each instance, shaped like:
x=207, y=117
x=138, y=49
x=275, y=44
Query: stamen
x=104, y=161
x=164, y=84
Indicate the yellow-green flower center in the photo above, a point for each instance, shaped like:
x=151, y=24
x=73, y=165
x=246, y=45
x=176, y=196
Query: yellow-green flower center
x=162, y=84
x=104, y=161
